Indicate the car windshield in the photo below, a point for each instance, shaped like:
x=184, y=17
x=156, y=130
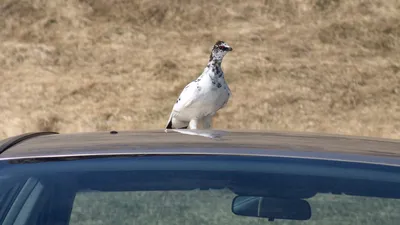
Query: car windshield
x=194, y=190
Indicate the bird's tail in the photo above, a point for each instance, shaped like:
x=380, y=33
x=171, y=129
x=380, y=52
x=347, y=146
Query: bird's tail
x=169, y=125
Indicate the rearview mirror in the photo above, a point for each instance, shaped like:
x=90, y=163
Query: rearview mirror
x=271, y=208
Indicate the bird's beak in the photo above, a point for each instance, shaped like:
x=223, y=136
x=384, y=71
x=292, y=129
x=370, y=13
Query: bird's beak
x=230, y=49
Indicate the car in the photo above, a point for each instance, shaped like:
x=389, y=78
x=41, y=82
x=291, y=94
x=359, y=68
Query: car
x=198, y=177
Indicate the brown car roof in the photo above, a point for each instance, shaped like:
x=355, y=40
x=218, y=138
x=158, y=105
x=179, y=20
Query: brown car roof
x=198, y=142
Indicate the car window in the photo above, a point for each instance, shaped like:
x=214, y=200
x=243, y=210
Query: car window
x=213, y=207
x=19, y=200
x=199, y=190
x=9, y=190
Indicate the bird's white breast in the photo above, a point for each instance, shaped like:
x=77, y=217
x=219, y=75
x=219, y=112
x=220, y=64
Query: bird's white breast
x=202, y=97
x=213, y=94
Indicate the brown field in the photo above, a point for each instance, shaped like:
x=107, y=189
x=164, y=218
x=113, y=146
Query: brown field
x=302, y=65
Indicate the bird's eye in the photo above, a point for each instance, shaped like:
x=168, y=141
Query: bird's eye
x=222, y=47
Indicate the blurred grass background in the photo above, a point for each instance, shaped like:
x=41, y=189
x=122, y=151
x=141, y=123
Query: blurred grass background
x=301, y=65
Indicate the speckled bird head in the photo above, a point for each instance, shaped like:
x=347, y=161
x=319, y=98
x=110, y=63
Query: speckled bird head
x=220, y=49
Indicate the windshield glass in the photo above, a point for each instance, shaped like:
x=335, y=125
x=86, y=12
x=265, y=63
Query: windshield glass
x=213, y=207
x=145, y=191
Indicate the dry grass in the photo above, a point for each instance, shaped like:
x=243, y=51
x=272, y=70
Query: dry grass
x=303, y=65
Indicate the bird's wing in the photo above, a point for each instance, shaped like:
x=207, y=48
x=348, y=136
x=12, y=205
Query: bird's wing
x=188, y=95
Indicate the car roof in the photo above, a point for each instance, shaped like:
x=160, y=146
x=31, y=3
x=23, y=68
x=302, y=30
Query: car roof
x=215, y=142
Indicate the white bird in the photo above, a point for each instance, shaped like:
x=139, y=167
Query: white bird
x=202, y=98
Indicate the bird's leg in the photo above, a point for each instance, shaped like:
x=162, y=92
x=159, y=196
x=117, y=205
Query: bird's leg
x=193, y=124
x=207, y=121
